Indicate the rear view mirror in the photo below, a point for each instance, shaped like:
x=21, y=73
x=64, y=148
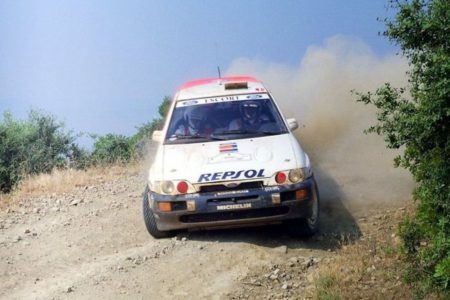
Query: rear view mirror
x=157, y=136
x=292, y=123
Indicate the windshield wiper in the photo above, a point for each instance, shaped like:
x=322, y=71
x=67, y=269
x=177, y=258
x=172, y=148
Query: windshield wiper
x=265, y=132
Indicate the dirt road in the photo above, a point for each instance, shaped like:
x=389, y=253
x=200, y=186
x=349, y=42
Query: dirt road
x=92, y=244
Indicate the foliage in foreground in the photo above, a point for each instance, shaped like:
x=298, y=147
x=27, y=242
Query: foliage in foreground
x=36, y=145
x=419, y=123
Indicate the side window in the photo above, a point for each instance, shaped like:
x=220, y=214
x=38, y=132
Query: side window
x=175, y=122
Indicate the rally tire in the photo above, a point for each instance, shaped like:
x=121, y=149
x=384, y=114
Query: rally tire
x=150, y=221
x=307, y=227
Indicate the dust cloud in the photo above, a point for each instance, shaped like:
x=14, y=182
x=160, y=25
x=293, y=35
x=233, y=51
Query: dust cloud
x=350, y=166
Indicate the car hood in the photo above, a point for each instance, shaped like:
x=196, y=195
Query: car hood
x=239, y=159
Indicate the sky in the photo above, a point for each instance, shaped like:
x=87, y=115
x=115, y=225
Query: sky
x=105, y=66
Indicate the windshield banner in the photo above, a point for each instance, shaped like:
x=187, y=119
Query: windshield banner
x=191, y=102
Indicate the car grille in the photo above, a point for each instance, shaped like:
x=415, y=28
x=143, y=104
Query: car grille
x=235, y=215
x=221, y=187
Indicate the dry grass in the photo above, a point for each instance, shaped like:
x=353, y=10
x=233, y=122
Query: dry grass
x=5, y=200
x=63, y=181
x=371, y=268
x=60, y=181
x=357, y=273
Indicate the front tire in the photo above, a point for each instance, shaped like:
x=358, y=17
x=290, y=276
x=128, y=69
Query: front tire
x=307, y=227
x=150, y=221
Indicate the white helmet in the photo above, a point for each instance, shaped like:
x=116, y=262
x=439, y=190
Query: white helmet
x=194, y=117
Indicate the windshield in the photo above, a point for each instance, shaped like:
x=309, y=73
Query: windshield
x=224, y=118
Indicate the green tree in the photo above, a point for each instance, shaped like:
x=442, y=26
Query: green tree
x=163, y=108
x=33, y=146
x=416, y=120
x=112, y=148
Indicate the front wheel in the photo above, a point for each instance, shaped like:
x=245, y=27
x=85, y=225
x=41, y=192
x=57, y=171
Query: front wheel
x=308, y=226
x=150, y=222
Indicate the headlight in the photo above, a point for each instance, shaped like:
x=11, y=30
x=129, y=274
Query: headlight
x=290, y=176
x=296, y=175
x=167, y=187
x=171, y=187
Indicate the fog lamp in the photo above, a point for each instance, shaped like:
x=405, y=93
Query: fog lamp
x=182, y=187
x=280, y=177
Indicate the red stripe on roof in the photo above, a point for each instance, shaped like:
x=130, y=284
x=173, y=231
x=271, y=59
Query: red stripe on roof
x=204, y=81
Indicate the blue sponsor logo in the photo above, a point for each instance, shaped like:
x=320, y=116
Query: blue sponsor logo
x=254, y=96
x=218, y=176
x=190, y=102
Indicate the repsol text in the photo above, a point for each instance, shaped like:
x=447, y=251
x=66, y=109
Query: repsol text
x=218, y=176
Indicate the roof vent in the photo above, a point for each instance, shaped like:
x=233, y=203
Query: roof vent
x=236, y=85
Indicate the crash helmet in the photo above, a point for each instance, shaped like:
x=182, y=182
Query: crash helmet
x=194, y=117
x=250, y=111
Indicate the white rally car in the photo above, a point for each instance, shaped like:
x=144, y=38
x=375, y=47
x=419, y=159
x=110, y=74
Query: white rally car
x=227, y=157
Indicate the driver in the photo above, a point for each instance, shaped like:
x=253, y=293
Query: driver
x=194, y=122
x=251, y=117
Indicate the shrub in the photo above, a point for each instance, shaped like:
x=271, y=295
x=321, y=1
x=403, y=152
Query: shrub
x=33, y=146
x=419, y=123
x=40, y=143
x=112, y=148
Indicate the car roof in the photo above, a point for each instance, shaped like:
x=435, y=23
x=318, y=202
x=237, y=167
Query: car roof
x=212, y=87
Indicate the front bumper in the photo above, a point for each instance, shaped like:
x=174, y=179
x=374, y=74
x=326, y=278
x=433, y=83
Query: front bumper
x=235, y=208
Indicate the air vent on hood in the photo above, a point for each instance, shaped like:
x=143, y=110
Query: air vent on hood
x=236, y=85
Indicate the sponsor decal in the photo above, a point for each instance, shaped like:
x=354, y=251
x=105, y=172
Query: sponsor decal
x=189, y=102
x=228, y=148
x=272, y=189
x=231, y=193
x=188, y=196
x=206, y=177
x=254, y=96
x=200, y=101
x=234, y=206
x=221, y=99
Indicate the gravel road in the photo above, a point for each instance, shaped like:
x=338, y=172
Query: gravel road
x=91, y=243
